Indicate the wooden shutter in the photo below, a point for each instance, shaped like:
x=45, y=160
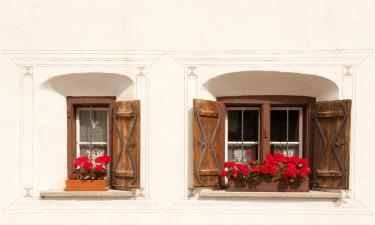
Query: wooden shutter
x=126, y=145
x=208, y=142
x=331, y=144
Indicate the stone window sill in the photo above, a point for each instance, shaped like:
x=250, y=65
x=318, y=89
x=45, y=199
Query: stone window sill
x=86, y=195
x=311, y=195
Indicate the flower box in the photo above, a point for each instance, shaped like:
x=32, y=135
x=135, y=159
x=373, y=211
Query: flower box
x=88, y=176
x=269, y=186
x=276, y=173
x=86, y=185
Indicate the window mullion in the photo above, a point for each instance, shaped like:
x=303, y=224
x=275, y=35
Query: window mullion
x=265, y=129
x=242, y=147
x=287, y=130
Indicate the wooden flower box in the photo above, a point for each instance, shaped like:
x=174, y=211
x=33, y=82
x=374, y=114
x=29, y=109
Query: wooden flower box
x=86, y=185
x=269, y=186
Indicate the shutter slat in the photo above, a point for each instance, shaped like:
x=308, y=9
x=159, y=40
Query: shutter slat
x=208, y=142
x=330, y=114
x=126, y=145
x=321, y=173
x=331, y=142
x=208, y=113
x=209, y=172
x=124, y=173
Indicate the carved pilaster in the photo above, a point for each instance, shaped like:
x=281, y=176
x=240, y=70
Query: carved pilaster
x=348, y=74
x=27, y=131
x=348, y=92
x=191, y=87
x=142, y=95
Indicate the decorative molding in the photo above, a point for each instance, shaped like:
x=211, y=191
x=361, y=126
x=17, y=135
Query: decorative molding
x=140, y=192
x=27, y=191
x=258, y=58
x=26, y=127
x=141, y=71
x=27, y=60
x=191, y=60
x=192, y=192
x=192, y=71
x=83, y=58
x=349, y=207
x=27, y=71
x=142, y=94
x=34, y=205
x=348, y=71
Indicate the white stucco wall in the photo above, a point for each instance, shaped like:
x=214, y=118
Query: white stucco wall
x=193, y=41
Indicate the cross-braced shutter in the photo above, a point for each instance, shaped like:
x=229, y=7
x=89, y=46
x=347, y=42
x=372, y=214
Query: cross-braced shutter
x=126, y=145
x=331, y=144
x=208, y=142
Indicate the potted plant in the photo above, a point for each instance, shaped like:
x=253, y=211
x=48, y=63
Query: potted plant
x=88, y=176
x=276, y=173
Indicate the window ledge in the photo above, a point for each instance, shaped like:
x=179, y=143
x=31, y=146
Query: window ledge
x=86, y=195
x=311, y=195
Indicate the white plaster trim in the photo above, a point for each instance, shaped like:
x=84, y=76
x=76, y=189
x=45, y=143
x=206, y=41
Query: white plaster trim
x=305, y=196
x=86, y=195
x=35, y=205
x=349, y=207
x=259, y=58
x=27, y=126
x=24, y=59
x=83, y=58
x=142, y=94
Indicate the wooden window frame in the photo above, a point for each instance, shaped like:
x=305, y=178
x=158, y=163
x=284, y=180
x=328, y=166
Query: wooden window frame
x=72, y=104
x=227, y=109
x=300, y=125
x=265, y=102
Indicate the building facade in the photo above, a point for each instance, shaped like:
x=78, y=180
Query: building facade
x=172, y=90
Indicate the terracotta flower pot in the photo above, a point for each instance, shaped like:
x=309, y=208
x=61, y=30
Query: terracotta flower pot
x=86, y=185
x=269, y=186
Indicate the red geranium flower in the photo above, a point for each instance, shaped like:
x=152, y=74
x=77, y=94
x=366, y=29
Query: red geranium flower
x=263, y=169
x=99, y=167
x=104, y=159
x=80, y=160
x=269, y=157
x=279, y=157
x=244, y=170
x=87, y=165
x=256, y=169
x=224, y=173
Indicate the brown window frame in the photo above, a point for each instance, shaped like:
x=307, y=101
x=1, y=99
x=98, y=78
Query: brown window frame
x=72, y=104
x=265, y=102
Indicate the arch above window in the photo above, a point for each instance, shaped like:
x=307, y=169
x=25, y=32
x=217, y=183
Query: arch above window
x=91, y=84
x=272, y=83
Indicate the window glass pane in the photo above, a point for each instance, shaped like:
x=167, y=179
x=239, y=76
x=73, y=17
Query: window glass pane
x=234, y=125
x=250, y=125
x=293, y=125
x=94, y=129
x=242, y=153
x=287, y=150
x=93, y=151
x=278, y=125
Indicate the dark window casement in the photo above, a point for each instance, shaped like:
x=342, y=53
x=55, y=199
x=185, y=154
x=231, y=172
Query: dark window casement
x=228, y=128
x=102, y=125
